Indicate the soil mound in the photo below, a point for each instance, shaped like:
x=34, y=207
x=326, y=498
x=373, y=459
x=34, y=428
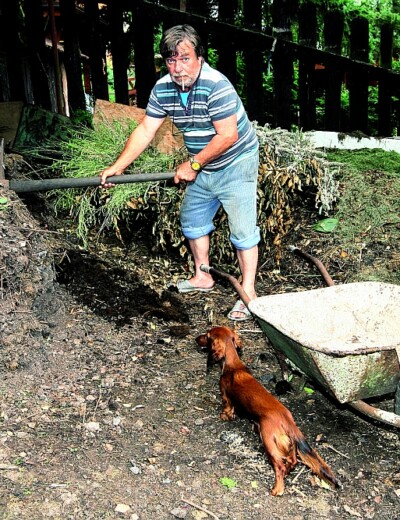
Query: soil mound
x=30, y=303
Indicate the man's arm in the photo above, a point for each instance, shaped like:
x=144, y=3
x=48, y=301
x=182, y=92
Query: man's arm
x=138, y=141
x=226, y=135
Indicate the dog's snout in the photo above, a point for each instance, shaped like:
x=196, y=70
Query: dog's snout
x=202, y=340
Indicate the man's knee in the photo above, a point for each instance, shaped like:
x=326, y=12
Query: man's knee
x=192, y=233
x=248, y=242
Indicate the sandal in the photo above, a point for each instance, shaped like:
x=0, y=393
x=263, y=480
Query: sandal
x=239, y=307
x=184, y=286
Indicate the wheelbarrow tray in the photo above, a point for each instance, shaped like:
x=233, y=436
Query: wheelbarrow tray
x=344, y=337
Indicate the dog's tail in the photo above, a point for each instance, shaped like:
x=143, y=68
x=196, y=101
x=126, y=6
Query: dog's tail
x=315, y=462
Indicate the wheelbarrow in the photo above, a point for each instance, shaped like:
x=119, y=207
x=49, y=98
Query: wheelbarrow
x=346, y=338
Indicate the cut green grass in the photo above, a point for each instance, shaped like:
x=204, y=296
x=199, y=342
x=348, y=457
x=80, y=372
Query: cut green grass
x=369, y=211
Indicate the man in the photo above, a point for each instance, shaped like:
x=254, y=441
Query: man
x=223, y=149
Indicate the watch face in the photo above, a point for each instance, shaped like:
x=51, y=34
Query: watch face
x=196, y=166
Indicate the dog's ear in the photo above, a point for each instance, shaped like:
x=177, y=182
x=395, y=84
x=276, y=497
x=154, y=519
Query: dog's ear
x=218, y=349
x=236, y=341
x=202, y=340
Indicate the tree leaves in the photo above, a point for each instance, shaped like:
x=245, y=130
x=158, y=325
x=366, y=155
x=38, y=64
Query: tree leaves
x=326, y=225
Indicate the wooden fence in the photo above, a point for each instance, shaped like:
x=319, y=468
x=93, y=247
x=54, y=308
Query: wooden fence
x=306, y=78
x=322, y=74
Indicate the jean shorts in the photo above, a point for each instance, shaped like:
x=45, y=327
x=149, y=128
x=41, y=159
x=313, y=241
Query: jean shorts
x=235, y=189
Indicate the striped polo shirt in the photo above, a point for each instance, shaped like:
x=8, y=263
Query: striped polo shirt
x=211, y=98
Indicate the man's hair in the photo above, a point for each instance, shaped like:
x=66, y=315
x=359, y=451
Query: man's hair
x=175, y=35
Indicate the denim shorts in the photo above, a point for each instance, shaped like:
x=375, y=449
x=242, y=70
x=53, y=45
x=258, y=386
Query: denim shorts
x=235, y=189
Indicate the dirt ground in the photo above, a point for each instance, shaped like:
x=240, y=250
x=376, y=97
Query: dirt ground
x=107, y=411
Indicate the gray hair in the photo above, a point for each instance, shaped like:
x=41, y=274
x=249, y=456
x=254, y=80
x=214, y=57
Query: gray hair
x=175, y=35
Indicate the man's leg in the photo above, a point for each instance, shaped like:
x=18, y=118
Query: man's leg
x=198, y=209
x=248, y=261
x=200, y=248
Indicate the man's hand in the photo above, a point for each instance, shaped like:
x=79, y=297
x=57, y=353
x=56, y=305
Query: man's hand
x=138, y=141
x=184, y=173
x=109, y=172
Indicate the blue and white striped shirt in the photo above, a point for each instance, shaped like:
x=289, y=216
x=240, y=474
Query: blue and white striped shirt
x=211, y=98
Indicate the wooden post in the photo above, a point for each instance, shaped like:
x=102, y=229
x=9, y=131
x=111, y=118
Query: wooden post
x=282, y=59
x=333, y=35
x=307, y=36
x=384, y=94
x=37, y=53
x=227, y=51
x=72, y=55
x=119, y=53
x=143, y=44
x=57, y=72
x=358, y=82
x=96, y=51
x=12, y=78
x=254, y=61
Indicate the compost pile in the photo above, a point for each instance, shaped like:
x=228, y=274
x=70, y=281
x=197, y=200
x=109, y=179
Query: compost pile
x=29, y=301
x=107, y=411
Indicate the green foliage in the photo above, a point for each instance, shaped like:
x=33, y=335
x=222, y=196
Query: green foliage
x=327, y=225
x=363, y=160
x=369, y=211
x=228, y=482
x=86, y=154
x=241, y=78
x=4, y=202
x=110, y=82
x=82, y=117
x=212, y=57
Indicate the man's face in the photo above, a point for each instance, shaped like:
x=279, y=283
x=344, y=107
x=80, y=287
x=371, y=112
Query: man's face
x=185, y=66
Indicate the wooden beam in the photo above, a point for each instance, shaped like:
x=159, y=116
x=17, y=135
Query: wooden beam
x=250, y=39
x=57, y=72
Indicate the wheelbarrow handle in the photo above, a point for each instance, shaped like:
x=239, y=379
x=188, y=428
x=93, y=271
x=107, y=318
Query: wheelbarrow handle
x=231, y=279
x=322, y=269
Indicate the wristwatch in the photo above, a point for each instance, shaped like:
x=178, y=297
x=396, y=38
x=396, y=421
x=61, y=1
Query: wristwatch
x=196, y=166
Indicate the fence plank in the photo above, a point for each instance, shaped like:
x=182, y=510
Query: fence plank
x=227, y=49
x=358, y=81
x=143, y=41
x=282, y=61
x=307, y=94
x=384, y=93
x=333, y=36
x=119, y=54
x=254, y=62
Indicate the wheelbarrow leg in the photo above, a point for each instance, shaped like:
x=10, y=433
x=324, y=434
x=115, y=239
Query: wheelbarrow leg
x=285, y=370
x=376, y=413
x=397, y=400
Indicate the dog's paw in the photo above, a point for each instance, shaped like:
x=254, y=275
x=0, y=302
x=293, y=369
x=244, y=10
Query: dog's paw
x=277, y=491
x=227, y=416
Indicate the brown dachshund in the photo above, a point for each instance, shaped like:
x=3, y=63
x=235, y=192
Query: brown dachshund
x=282, y=439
